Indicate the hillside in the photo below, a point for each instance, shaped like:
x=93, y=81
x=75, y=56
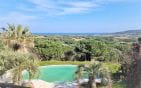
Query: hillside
x=129, y=32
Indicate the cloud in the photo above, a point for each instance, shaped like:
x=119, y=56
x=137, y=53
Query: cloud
x=62, y=7
x=16, y=18
x=57, y=7
x=78, y=7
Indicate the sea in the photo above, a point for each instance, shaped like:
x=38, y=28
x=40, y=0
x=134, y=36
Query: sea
x=71, y=34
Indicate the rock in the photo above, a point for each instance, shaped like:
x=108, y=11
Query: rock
x=42, y=84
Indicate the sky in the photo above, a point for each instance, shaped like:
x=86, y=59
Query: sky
x=72, y=16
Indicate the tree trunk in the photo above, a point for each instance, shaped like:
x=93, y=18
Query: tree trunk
x=78, y=84
x=92, y=82
x=109, y=82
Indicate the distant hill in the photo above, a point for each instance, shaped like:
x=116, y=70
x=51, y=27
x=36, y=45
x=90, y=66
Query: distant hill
x=128, y=32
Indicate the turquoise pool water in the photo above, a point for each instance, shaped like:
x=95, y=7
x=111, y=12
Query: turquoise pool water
x=59, y=73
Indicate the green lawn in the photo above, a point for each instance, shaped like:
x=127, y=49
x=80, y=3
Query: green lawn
x=53, y=62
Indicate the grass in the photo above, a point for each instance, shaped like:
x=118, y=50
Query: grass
x=119, y=85
x=53, y=62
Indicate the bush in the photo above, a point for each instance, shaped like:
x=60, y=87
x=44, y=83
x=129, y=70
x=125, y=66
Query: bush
x=113, y=67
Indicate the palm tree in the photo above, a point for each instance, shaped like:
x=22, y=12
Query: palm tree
x=79, y=74
x=29, y=63
x=17, y=38
x=105, y=75
x=93, y=70
x=16, y=62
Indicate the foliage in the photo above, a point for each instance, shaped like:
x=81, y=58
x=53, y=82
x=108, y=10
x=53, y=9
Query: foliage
x=16, y=63
x=100, y=50
x=104, y=49
x=139, y=40
x=119, y=84
x=17, y=38
x=113, y=67
x=50, y=49
x=1, y=45
x=94, y=70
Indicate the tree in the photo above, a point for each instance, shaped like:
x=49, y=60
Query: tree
x=82, y=52
x=17, y=38
x=79, y=73
x=69, y=55
x=93, y=70
x=50, y=49
x=139, y=40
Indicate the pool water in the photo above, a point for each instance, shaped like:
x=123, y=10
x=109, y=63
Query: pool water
x=60, y=73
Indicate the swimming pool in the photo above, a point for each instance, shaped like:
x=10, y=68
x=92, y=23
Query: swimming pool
x=55, y=73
